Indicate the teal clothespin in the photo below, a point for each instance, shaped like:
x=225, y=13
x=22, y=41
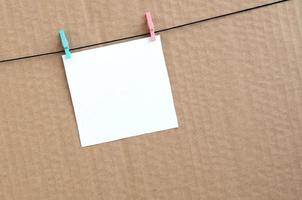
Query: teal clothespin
x=65, y=44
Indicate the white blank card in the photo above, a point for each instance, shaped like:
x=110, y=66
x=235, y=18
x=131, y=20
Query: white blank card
x=121, y=90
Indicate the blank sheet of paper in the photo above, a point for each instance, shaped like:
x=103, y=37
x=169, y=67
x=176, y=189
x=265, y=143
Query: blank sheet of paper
x=121, y=90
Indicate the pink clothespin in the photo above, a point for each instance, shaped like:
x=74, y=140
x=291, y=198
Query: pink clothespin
x=150, y=25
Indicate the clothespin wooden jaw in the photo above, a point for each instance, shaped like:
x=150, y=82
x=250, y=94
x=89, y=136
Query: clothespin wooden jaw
x=150, y=25
x=65, y=44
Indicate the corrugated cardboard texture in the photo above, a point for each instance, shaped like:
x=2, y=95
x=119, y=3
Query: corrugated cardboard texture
x=237, y=86
x=31, y=27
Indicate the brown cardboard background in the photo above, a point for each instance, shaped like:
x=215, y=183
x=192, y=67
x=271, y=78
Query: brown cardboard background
x=238, y=94
x=31, y=27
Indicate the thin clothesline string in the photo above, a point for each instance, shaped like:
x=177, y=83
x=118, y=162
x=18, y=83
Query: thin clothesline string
x=145, y=34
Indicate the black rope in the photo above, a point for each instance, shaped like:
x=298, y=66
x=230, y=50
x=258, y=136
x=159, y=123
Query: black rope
x=146, y=34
